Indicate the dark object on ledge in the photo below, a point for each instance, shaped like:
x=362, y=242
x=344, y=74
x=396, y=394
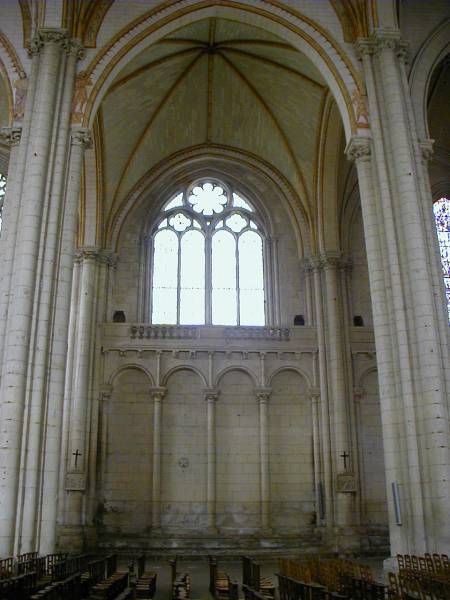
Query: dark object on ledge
x=119, y=316
x=299, y=320
x=358, y=321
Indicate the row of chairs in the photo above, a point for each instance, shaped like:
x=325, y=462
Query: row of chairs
x=431, y=563
x=251, y=577
x=291, y=589
x=221, y=586
x=28, y=562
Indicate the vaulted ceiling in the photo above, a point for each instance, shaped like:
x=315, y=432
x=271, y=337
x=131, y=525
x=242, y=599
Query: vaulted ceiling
x=213, y=82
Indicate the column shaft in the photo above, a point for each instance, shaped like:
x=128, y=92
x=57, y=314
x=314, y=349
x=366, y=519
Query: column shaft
x=263, y=399
x=211, y=398
x=158, y=395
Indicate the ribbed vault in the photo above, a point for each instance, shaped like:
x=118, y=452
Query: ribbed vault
x=213, y=82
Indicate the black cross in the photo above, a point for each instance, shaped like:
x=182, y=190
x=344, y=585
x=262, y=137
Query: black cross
x=76, y=454
x=344, y=455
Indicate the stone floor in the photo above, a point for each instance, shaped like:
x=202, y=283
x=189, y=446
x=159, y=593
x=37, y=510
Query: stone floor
x=199, y=571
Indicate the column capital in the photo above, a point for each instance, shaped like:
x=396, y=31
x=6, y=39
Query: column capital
x=390, y=39
x=87, y=253
x=358, y=393
x=263, y=394
x=306, y=265
x=314, y=394
x=157, y=392
x=106, y=390
x=11, y=135
x=75, y=48
x=47, y=35
x=359, y=149
x=108, y=257
x=333, y=260
x=211, y=394
x=364, y=47
x=81, y=136
x=427, y=148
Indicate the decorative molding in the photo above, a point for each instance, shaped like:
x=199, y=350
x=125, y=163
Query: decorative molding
x=75, y=48
x=11, y=135
x=390, y=39
x=81, y=136
x=359, y=149
x=314, y=394
x=277, y=334
x=163, y=332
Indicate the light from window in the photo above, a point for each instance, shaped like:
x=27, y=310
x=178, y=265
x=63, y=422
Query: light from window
x=2, y=196
x=208, y=260
x=441, y=210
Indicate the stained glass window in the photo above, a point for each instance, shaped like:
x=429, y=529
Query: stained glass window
x=208, y=259
x=441, y=210
x=2, y=195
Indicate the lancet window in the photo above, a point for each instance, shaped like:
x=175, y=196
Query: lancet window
x=441, y=210
x=208, y=259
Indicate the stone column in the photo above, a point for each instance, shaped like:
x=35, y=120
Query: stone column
x=77, y=461
x=336, y=367
x=325, y=413
x=314, y=395
x=157, y=394
x=263, y=396
x=211, y=395
x=415, y=389
x=48, y=51
x=105, y=399
x=43, y=425
x=10, y=213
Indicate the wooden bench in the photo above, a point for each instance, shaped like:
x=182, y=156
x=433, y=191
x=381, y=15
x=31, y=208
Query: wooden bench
x=291, y=589
x=145, y=580
x=6, y=567
x=251, y=577
x=181, y=588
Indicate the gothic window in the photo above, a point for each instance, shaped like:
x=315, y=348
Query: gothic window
x=208, y=265
x=441, y=210
x=2, y=195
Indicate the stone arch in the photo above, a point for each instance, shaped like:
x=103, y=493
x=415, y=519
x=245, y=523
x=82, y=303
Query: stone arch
x=174, y=370
x=6, y=106
x=297, y=370
x=227, y=370
x=431, y=53
x=291, y=462
x=167, y=174
x=115, y=375
x=303, y=33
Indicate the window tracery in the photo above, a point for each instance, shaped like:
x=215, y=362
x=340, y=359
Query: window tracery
x=441, y=210
x=208, y=259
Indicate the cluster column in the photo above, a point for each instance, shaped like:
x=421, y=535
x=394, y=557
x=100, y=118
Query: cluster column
x=157, y=393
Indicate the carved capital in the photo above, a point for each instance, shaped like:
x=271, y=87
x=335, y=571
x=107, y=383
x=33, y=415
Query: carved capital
x=75, y=48
x=306, y=266
x=314, y=394
x=108, y=257
x=106, y=390
x=358, y=393
x=157, y=392
x=364, y=47
x=263, y=395
x=81, y=136
x=359, y=149
x=45, y=36
x=427, y=148
x=390, y=39
x=11, y=135
x=87, y=253
x=333, y=260
x=211, y=394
